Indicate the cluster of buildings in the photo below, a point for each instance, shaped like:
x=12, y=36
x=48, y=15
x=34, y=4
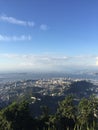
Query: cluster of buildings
x=11, y=91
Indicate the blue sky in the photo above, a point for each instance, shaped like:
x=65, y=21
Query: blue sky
x=48, y=35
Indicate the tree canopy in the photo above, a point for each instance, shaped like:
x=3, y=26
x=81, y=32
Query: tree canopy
x=69, y=116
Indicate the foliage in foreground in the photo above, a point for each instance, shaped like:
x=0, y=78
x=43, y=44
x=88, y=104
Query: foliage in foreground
x=83, y=116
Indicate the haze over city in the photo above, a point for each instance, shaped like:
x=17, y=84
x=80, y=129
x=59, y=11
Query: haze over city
x=48, y=35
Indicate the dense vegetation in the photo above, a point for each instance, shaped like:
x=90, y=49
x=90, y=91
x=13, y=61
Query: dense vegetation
x=69, y=116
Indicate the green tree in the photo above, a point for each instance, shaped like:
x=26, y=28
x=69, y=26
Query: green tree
x=67, y=108
x=88, y=109
x=67, y=112
x=16, y=117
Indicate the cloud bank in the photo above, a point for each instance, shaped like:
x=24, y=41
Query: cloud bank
x=47, y=62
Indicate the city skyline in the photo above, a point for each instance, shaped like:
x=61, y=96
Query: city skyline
x=45, y=35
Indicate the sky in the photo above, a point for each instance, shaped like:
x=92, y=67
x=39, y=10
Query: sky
x=48, y=35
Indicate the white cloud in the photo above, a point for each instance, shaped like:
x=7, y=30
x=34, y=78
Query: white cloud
x=97, y=58
x=13, y=20
x=43, y=27
x=15, y=38
x=34, y=62
x=97, y=61
x=48, y=62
